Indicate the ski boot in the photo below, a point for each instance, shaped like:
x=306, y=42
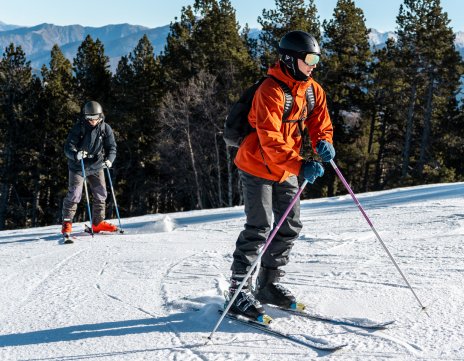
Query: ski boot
x=104, y=226
x=245, y=304
x=66, y=227
x=269, y=291
x=66, y=230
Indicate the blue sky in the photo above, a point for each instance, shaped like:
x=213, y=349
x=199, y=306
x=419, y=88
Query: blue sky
x=380, y=14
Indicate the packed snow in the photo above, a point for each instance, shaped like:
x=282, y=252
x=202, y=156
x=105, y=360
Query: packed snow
x=154, y=292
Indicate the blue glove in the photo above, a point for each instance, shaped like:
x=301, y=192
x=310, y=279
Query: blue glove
x=311, y=170
x=325, y=150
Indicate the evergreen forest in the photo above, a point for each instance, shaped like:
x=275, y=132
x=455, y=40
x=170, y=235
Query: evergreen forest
x=397, y=110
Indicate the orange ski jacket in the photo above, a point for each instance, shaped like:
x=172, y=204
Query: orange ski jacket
x=273, y=151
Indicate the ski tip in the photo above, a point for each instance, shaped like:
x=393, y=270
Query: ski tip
x=297, y=306
x=264, y=319
x=338, y=347
x=384, y=325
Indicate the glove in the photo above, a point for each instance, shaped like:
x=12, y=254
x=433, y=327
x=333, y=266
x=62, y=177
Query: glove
x=311, y=170
x=107, y=163
x=325, y=150
x=81, y=154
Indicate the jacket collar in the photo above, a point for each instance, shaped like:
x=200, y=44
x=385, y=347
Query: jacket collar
x=295, y=85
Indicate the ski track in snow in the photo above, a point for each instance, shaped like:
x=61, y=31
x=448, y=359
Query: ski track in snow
x=153, y=294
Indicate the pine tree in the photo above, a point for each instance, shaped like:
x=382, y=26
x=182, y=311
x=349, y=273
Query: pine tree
x=386, y=114
x=137, y=94
x=91, y=68
x=289, y=15
x=59, y=110
x=15, y=84
x=433, y=68
x=29, y=185
x=176, y=60
x=344, y=75
x=186, y=125
x=449, y=146
x=207, y=40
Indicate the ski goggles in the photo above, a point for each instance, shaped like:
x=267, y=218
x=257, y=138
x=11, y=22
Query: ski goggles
x=94, y=117
x=311, y=59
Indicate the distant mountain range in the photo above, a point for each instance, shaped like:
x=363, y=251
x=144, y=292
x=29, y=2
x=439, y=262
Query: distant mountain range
x=4, y=26
x=119, y=40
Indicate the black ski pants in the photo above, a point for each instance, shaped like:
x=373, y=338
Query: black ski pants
x=264, y=199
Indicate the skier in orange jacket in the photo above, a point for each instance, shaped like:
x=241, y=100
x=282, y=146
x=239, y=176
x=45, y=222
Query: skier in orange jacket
x=269, y=162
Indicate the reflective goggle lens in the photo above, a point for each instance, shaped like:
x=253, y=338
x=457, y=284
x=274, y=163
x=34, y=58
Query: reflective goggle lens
x=311, y=59
x=92, y=117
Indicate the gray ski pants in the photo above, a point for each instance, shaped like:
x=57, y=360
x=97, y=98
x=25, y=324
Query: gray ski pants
x=263, y=199
x=97, y=185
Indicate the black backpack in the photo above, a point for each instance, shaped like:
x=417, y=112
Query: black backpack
x=237, y=127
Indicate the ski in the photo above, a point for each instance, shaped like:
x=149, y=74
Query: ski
x=70, y=238
x=308, y=341
x=346, y=321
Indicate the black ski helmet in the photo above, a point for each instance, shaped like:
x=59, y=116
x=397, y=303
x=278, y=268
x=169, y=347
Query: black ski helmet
x=92, y=108
x=296, y=45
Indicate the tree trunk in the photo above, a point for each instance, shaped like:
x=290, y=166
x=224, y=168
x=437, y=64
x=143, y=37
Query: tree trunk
x=36, y=201
x=230, y=189
x=218, y=166
x=199, y=204
x=380, y=155
x=369, y=151
x=427, y=126
x=5, y=185
x=408, y=135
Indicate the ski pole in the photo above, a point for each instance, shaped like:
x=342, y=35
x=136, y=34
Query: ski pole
x=347, y=186
x=87, y=195
x=258, y=259
x=114, y=198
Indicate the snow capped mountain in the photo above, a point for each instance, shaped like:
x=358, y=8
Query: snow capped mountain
x=378, y=39
x=459, y=42
x=119, y=40
x=5, y=27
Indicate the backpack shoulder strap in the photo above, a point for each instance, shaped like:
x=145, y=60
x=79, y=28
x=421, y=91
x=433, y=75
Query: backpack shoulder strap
x=288, y=98
x=82, y=128
x=310, y=99
x=103, y=129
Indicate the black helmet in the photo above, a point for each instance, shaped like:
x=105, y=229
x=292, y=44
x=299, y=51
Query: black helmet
x=92, y=108
x=298, y=43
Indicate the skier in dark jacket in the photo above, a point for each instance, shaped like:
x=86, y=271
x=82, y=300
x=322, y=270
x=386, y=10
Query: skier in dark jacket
x=91, y=140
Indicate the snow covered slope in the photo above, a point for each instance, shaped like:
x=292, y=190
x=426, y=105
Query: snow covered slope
x=153, y=293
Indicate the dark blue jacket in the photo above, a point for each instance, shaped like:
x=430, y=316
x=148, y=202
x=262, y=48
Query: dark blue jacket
x=98, y=141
